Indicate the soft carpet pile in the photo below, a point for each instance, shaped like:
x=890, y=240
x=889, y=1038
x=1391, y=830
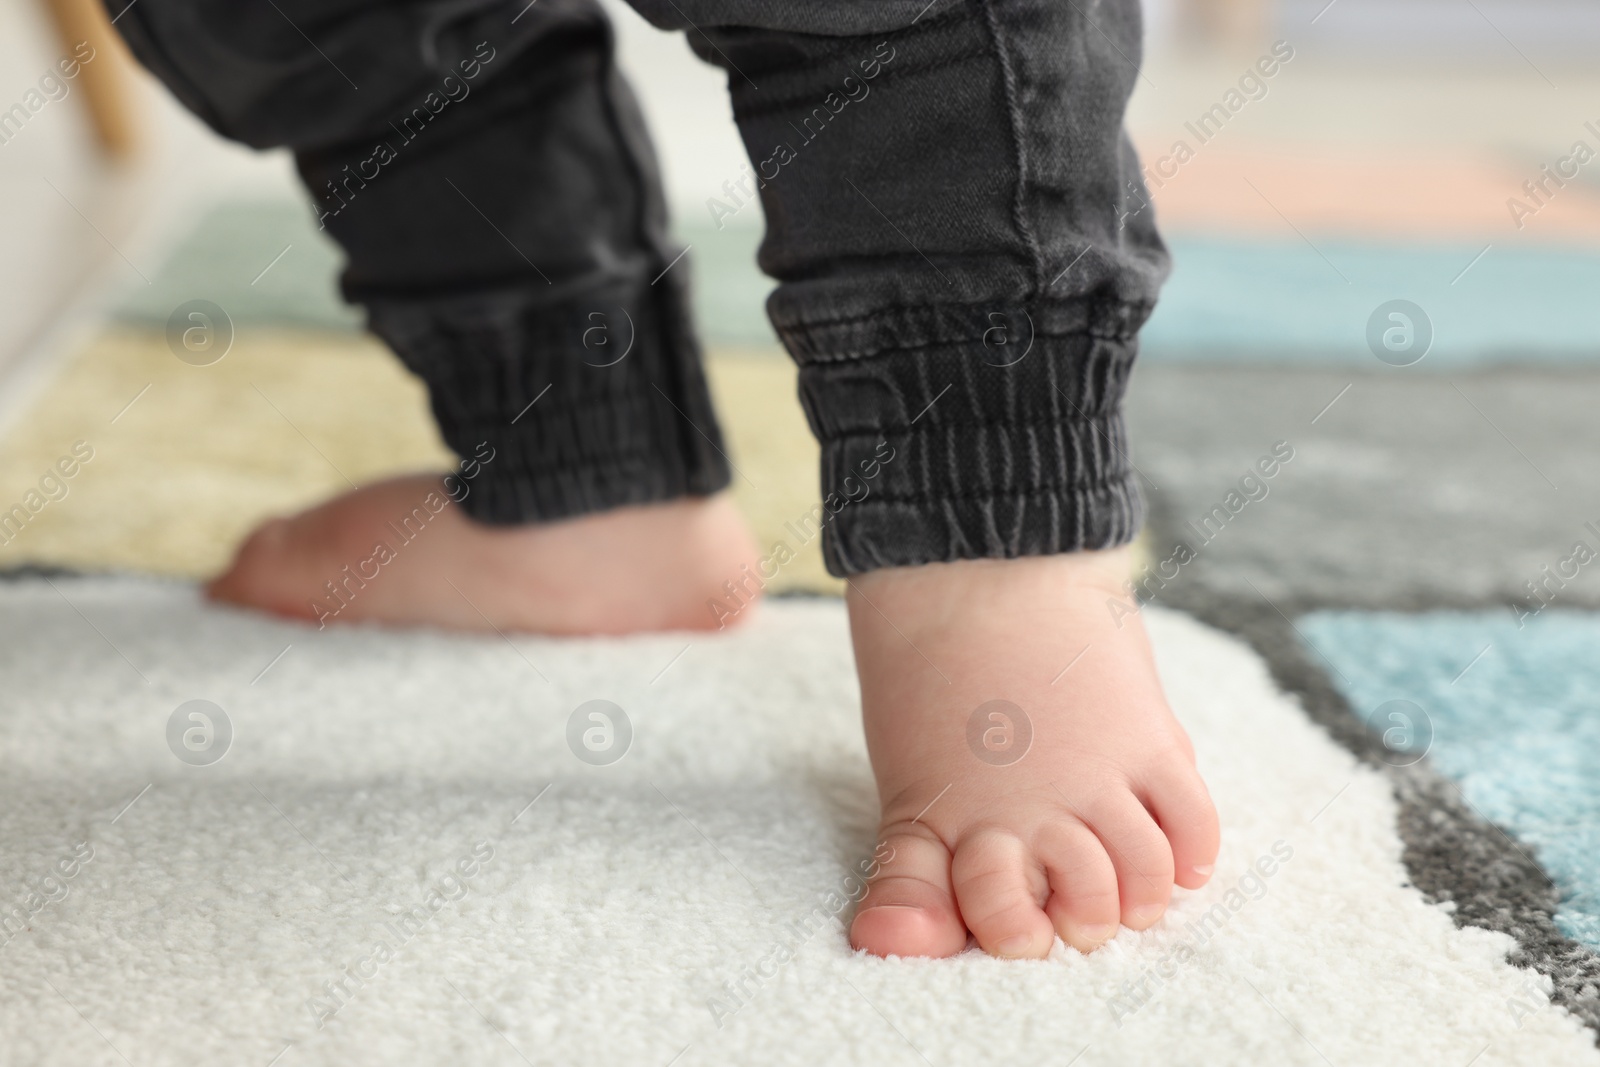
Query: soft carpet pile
x=401, y=857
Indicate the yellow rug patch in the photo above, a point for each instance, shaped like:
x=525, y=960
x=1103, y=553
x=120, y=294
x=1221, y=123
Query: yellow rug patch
x=185, y=460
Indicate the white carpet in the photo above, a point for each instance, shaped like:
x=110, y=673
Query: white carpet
x=637, y=906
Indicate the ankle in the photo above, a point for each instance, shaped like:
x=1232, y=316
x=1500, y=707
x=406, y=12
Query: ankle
x=964, y=586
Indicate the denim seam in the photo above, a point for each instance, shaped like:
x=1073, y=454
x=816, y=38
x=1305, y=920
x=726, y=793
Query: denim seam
x=869, y=355
x=944, y=429
x=1138, y=306
x=1043, y=490
x=1008, y=79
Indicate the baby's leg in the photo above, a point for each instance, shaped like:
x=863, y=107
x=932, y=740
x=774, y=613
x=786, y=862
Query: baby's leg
x=966, y=256
x=498, y=200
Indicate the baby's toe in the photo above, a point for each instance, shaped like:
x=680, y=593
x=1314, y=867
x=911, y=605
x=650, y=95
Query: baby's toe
x=909, y=908
x=1183, y=808
x=1000, y=888
x=257, y=575
x=1084, y=905
x=1141, y=855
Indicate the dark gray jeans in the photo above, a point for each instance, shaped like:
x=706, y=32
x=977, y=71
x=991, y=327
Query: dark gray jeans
x=954, y=215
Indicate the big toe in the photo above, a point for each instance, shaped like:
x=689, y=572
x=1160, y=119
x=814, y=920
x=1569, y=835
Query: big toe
x=910, y=908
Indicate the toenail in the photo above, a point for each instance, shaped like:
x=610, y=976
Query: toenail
x=1148, y=914
x=1015, y=946
x=1097, y=932
x=1203, y=869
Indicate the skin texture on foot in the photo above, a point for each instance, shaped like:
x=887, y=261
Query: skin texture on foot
x=1070, y=808
x=402, y=552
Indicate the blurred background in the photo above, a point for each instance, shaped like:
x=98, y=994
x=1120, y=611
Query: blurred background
x=1381, y=161
x=1387, y=275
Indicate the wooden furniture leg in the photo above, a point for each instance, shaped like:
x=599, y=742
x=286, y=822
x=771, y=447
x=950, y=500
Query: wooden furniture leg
x=105, y=82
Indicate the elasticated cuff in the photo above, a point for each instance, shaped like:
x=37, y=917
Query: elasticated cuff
x=585, y=401
x=970, y=432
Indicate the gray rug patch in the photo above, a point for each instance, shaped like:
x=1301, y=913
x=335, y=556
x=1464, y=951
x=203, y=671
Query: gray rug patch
x=1412, y=489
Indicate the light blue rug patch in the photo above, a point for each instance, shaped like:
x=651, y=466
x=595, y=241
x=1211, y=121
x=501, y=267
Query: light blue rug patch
x=1287, y=302
x=1278, y=301
x=1514, y=716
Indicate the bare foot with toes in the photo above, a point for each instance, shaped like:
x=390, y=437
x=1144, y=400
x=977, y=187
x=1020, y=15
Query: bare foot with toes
x=1023, y=798
x=1083, y=826
x=403, y=552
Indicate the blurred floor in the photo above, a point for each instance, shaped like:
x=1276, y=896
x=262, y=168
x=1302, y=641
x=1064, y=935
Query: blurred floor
x=1363, y=168
x=187, y=460
x=1404, y=491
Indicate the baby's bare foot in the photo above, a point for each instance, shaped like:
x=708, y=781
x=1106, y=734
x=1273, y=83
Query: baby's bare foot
x=1071, y=807
x=403, y=552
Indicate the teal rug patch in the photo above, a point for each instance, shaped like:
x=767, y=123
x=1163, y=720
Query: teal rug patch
x=1511, y=714
x=1285, y=302
x=1289, y=302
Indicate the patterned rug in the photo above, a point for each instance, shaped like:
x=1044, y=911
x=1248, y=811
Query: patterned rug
x=1413, y=575
x=1415, y=571
x=392, y=847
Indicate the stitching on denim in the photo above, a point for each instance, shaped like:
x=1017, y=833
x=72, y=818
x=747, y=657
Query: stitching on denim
x=1008, y=78
x=944, y=429
x=866, y=355
x=1078, y=489
x=813, y=324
